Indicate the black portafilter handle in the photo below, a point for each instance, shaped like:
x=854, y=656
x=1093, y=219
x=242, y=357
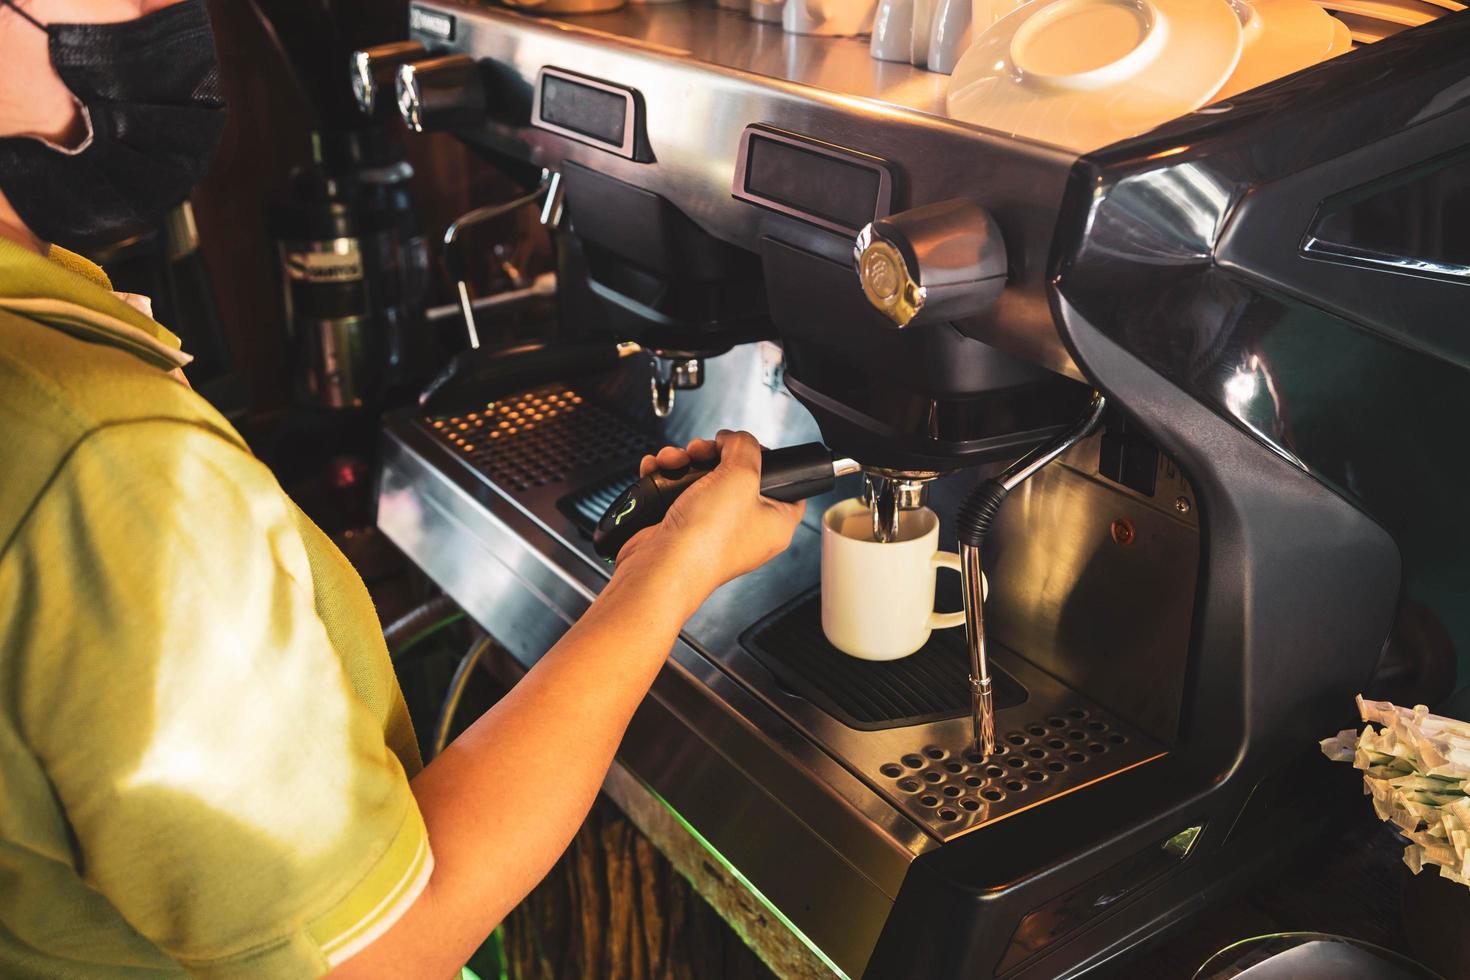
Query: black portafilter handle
x=789, y=474
x=475, y=377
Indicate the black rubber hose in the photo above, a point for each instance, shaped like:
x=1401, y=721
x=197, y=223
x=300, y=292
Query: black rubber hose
x=977, y=513
x=401, y=634
x=457, y=684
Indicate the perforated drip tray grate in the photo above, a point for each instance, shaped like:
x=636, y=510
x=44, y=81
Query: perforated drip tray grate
x=952, y=788
x=916, y=749
x=541, y=437
x=930, y=685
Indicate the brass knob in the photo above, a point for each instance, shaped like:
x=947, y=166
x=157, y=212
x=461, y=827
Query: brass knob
x=945, y=261
x=886, y=279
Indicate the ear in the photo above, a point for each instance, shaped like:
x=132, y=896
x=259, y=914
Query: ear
x=34, y=101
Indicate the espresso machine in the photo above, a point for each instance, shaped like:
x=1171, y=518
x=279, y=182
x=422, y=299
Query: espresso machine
x=1160, y=391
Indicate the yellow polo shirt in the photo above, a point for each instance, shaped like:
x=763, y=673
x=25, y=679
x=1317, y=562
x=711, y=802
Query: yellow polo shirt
x=204, y=753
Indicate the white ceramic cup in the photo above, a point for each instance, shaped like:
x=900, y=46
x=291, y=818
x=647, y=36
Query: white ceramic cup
x=765, y=11
x=951, y=34
x=834, y=18
x=893, y=30
x=926, y=33
x=923, y=25
x=878, y=597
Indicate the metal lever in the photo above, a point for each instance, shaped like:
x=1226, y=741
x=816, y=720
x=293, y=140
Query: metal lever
x=974, y=519
x=375, y=70
x=441, y=93
x=459, y=269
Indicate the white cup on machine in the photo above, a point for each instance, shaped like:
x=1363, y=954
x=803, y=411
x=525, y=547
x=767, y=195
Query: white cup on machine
x=901, y=31
x=878, y=597
x=926, y=33
x=954, y=24
x=766, y=11
x=835, y=18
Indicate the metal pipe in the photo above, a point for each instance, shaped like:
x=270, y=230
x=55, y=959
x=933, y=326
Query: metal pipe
x=413, y=627
x=468, y=310
x=1024, y=468
x=551, y=208
x=541, y=287
x=982, y=707
x=980, y=509
x=457, y=684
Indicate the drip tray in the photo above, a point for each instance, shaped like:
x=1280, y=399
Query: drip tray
x=930, y=685
x=1050, y=740
x=543, y=437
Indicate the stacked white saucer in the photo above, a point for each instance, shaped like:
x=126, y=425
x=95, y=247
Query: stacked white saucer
x=1081, y=74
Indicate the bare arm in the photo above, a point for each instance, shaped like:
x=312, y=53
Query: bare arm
x=495, y=827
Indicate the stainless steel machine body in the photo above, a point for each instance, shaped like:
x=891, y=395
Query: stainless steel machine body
x=1179, y=604
x=707, y=74
x=821, y=817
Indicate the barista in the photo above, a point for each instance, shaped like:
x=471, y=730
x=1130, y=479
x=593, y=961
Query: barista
x=206, y=765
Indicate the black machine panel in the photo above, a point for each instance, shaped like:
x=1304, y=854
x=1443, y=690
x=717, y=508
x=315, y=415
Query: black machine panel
x=592, y=111
x=1322, y=313
x=831, y=187
x=1415, y=222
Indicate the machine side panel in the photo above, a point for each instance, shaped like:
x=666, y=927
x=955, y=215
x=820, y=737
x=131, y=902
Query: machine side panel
x=1296, y=595
x=1193, y=251
x=1316, y=440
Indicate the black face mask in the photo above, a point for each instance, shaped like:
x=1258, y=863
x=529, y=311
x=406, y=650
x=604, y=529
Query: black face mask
x=150, y=90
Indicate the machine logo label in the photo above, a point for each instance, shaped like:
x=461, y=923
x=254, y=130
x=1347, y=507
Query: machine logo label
x=431, y=22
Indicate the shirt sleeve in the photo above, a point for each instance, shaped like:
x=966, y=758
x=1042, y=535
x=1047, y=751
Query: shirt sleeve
x=226, y=790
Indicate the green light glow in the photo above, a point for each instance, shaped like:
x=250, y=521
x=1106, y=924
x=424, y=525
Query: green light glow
x=746, y=882
x=1183, y=842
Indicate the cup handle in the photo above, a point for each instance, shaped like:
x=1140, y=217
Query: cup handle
x=944, y=620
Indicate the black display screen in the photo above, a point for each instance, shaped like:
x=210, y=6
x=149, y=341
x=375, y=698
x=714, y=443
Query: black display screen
x=813, y=183
x=584, y=109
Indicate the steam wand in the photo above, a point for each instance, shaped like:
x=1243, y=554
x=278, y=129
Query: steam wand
x=458, y=267
x=974, y=519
